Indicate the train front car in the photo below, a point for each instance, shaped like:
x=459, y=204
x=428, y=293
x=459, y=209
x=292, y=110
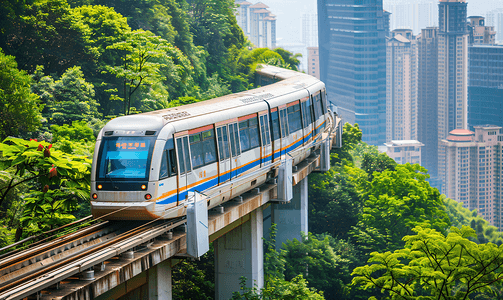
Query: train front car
x=122, y=185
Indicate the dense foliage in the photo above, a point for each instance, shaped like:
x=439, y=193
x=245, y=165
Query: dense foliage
x=378, y=229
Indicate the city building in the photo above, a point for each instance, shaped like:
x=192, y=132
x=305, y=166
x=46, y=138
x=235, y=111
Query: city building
x=243, y=16
x=474, y=170
x=485, y=85
x=495, y=18
x=401, y=86
x=310, y=30
x=412, y=14
x=405, y=151
x=257, y=23
x=313, y=62
x=427, y=98
x=479, y=33
x=352, y=47
x=452, y=71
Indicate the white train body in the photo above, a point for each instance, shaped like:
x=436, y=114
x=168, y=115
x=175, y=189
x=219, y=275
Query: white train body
x=145, y=164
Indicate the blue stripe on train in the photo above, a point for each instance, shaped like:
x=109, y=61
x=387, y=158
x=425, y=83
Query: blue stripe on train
x=225, y=177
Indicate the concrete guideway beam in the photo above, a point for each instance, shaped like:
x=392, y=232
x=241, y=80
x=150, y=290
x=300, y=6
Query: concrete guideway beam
x=240, y=253
x=291, y=218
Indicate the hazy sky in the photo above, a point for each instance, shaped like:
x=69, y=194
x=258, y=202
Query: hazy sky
x=289, y=13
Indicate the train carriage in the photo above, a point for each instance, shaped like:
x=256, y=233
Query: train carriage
x=145, y=165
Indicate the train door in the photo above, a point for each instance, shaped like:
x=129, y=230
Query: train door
x=318, y=113
x=275, y=134
x=224, y=155
x=265, y=137
x=307, y=119
x=295, y=138
x=184, y=164
x=235, y=149
x=285, y=133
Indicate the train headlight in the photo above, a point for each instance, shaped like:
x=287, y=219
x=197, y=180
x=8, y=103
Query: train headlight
x=143, y=187
x=148, y=196
x=95, y=196
x=99, y=186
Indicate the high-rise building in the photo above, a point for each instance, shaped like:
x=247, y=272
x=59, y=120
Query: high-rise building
x=313, y=62
x=310, y=30
x=485, y=85
x=401, y=86
x=495, y=18
x=243, y=16
x=353, y=62
x=412, y=14
x=427, y=98
x=474, y=170
x=452, y=71
x=257, y=23
x=479, y=33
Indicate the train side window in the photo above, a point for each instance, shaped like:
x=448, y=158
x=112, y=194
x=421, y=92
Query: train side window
x=275, y=125
x=209, y=147
x=317, y=106
x=202, y=148
x=254, y=133
x=244, y=135
x=323, y=99
x=168, y=164
x=284, y=123
x=223, y=143
x=306, y=113
x=249, y=134
x=163, y=171
x=294, y=118
x=172, y=162
x=263, y=132
x=182, y=145
x=234, y=134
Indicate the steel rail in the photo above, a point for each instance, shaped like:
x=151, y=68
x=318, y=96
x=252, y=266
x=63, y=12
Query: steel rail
x=85, y=260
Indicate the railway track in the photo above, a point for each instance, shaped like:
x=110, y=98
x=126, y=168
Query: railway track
x=44, y=265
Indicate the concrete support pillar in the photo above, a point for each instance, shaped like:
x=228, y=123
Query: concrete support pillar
x=291, y=218
x=240, y=253
x=159, y=281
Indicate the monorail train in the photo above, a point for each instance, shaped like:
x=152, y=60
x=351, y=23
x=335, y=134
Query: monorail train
x=144, y=165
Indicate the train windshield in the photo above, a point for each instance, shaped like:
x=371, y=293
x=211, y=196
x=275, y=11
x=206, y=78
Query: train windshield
x=125, y=158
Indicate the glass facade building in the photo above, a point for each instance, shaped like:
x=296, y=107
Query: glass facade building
x=485, y=85
x=352, y=48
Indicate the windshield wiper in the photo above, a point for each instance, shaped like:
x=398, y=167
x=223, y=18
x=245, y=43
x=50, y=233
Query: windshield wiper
x=109, y=177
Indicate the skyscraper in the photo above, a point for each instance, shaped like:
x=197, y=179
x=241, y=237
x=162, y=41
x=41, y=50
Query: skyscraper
x=401, y=86
x=474, y=170
x=257, y=23
x=452, y=71
x=495, y=18
x=427, y=98
x=353, y=62
x=485, y=86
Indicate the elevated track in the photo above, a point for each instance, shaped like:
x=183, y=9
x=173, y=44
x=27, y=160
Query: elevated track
x=107, y=260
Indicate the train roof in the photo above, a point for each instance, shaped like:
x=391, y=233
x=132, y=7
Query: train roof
x=288, y=82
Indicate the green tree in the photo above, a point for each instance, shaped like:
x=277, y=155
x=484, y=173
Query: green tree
x=351, y=137
x=57, y=181
x=291, y=60
x=317, y=262
x=45, y=33
x=397, y=201
x=139, y=65
x=434, y=266
x=73, y=99
x=334, y=203
x=377, y=163
x=19, y=108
